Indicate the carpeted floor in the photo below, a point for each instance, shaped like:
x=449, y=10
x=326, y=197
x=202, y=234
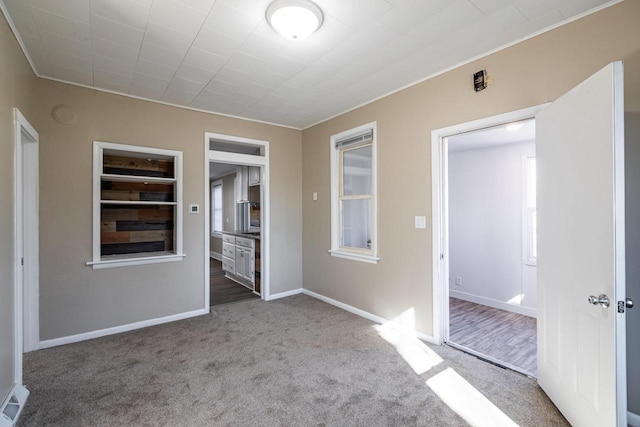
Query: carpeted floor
x=290, y=362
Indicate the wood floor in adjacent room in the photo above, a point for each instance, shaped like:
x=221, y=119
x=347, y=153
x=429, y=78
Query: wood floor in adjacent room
x=223, y=290
x=503, y=335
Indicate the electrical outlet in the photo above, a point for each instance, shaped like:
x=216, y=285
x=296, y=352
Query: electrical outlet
x=458, y=281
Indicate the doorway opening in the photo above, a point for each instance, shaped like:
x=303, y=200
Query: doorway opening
x=236, y=234
x=484, y=239
x=26, y=258
x=492, y=251
x=237, y=219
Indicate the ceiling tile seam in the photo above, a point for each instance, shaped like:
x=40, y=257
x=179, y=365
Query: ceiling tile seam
x=56, y=14
x=226, y=62
x=473, y=3
x=475, y=58
x=146, y=26
x=46, y=53
x=16, y=34
x=526, y=17
x=169, y=104
x=187, y=52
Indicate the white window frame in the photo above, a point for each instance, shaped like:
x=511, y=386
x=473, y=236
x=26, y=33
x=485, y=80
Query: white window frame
x=355, y=254
x=527, y=215
x=214, y=184
x=177, y=254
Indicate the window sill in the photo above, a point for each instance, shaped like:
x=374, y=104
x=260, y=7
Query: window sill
x=128, y=260
x=370, y=259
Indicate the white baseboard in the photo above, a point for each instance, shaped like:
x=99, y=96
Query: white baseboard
x=119, y=329
x=362, y=313
x=633, y=419
x=13, y=405
x=526, y=311
x=215, y=255
x=284, y=294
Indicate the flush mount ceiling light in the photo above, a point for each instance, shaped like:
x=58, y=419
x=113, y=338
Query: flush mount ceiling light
x=294, y=19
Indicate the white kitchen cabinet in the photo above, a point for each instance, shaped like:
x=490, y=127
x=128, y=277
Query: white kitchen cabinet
x=229, y=253
x=254, y=175
x=244, y=263
x=238, y=259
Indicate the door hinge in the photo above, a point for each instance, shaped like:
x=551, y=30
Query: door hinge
x=22, y=261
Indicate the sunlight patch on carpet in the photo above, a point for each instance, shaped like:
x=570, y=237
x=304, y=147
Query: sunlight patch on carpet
x=465, y=400
x=417, y=355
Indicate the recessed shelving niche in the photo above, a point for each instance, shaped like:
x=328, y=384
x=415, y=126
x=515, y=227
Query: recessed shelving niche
x=139, y=204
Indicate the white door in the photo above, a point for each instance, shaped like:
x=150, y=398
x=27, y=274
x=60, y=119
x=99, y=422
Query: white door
x=580, y=157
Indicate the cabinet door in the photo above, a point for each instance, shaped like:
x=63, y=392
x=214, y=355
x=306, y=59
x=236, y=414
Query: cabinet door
x=248, y=266
x=240, y=265
x=254, y=175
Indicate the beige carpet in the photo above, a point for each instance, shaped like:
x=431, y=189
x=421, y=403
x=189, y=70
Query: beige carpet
x=290, y=362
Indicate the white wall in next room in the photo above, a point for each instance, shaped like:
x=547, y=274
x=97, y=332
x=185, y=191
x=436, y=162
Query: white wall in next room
x=486, y=190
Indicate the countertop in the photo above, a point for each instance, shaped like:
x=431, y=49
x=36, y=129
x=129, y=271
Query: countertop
x=241, y=233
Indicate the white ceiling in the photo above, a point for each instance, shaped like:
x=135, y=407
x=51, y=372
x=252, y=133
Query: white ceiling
x=222, y=56
x=522, y=131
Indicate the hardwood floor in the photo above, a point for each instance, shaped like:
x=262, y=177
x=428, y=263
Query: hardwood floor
x=505, y=336
x=223, y=290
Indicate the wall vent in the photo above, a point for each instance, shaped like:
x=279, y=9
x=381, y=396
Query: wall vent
x=13, y=406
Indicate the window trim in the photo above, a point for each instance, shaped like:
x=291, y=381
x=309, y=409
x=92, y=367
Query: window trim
x=177, y=254
x=217, y=182
x=354, y=254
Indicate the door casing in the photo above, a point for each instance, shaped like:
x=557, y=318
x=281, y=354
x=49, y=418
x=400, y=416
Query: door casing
x=440, y=214
x=245, y=160
x=26, y=258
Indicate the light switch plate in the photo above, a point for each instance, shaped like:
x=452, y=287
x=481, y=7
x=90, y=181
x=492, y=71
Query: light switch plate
x=315, y=195
x=421, y=222
x=194, y=209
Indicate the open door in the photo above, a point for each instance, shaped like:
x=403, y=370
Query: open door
x=581, y=252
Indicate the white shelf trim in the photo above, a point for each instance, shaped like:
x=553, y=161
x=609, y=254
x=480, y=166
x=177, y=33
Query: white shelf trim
x=136, y=202
x=121, y=262
x=354, y=256
x=136, y=178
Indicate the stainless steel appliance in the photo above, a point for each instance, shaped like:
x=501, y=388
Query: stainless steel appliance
x=248, y=216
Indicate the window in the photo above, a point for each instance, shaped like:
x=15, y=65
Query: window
x=137, y=205
x=216, y=207
x=530, y=222
x=353, y=194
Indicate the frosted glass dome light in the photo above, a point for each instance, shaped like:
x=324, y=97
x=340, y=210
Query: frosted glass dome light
x=294, y=19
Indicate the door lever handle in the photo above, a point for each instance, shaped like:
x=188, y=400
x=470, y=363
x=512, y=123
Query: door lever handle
x=602, y=299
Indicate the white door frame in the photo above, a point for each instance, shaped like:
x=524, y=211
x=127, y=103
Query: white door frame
x=26, y=287
x=211, y=156
x=440, y=214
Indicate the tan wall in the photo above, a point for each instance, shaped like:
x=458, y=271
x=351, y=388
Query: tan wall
x=18, y=88
x=75, y=298
x=533, y=72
